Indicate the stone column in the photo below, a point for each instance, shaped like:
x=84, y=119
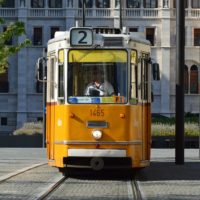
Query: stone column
x=22, y=74
x=117, y=16
x=189, y=4
x=142, y=8
x=165, y=64
x=94, y=13
x=142, y=4
x=189, y=79
x=171, y=3
x=189, y=8
x=71, y=15
x=189, y=38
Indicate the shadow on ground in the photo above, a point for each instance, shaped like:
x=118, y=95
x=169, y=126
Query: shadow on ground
x=100, y=175
x=159, y=171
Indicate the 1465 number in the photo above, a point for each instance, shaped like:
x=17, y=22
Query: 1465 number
x=97, y=112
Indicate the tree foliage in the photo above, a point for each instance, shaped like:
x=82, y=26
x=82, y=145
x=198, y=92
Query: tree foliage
x=14, y=29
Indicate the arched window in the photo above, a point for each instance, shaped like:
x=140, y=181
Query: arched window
x=186, y=79
x=194, y=79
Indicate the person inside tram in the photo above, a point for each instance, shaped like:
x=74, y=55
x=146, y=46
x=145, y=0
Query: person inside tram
x=99, y=85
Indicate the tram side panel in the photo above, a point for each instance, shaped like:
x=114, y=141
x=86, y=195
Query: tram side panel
x=140, y=134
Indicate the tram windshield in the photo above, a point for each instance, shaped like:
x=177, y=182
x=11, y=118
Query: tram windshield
x=97, y=76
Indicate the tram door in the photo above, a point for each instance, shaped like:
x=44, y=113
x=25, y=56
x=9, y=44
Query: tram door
x=51, y=106
x=145, y=98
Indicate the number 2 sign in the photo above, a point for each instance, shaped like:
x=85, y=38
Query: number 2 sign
x=81, y=37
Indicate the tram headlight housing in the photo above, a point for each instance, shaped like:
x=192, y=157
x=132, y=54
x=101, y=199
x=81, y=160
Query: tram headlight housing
x=97, y=134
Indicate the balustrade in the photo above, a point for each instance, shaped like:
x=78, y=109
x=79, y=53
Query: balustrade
x=8, y=12
x=36, y=12
x=132, y=12
x=92, y=12
x=97, y=12
x=195, y=13
x=56, y=12
x=189, y=13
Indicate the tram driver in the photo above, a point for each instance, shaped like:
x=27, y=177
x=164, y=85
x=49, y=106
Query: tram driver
x=99, y=85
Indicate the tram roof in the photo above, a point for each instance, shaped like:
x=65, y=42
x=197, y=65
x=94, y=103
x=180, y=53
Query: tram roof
x=132, y=36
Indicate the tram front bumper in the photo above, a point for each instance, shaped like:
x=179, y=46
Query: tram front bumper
x=96, y=153
x=97, y=159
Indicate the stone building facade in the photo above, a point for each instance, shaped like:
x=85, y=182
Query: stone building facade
x=21, y=94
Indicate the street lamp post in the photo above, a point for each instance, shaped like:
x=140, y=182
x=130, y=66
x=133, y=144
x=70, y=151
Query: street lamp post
x=83, y=13
x=180, y=62
x=199, y=109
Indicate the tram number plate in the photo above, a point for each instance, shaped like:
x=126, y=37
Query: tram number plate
x=97, y=112
x=81, y=37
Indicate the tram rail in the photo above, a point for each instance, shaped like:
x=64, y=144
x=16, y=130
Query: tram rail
x=75, y=185
x=20, y=171
x=136, y=190
x=62, y=188
x=50, y=189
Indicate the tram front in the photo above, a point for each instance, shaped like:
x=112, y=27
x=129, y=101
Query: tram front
x=101, y=118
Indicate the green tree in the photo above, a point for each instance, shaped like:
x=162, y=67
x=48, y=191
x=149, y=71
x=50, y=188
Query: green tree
x=14, y=29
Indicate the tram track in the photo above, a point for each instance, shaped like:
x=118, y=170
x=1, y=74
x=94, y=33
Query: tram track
x=59, y=187
x=81, y=188
x=136, y=190
x=50, y=189
x=20, y=171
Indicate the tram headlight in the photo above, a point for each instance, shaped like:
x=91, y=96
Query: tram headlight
x=97, y=134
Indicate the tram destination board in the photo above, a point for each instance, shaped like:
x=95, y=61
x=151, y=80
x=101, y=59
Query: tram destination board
x=81, y=37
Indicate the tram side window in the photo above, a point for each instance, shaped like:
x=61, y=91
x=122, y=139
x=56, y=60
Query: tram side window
x=134, y=81
x=52, y=78
x=145, y=77
x=60, y=82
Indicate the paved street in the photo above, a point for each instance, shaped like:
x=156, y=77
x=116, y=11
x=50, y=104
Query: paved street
x=162, y=180
x=12, y=159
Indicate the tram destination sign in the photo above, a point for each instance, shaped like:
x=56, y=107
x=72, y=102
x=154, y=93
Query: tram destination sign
x=81, y=37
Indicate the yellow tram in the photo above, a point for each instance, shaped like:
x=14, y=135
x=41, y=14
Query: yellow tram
x=100, y=127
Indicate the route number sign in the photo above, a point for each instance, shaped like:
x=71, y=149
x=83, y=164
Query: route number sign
x=81, y=37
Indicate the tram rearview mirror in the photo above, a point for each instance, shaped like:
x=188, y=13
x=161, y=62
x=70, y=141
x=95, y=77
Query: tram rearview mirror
x=156, y=71
x=41, y=69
